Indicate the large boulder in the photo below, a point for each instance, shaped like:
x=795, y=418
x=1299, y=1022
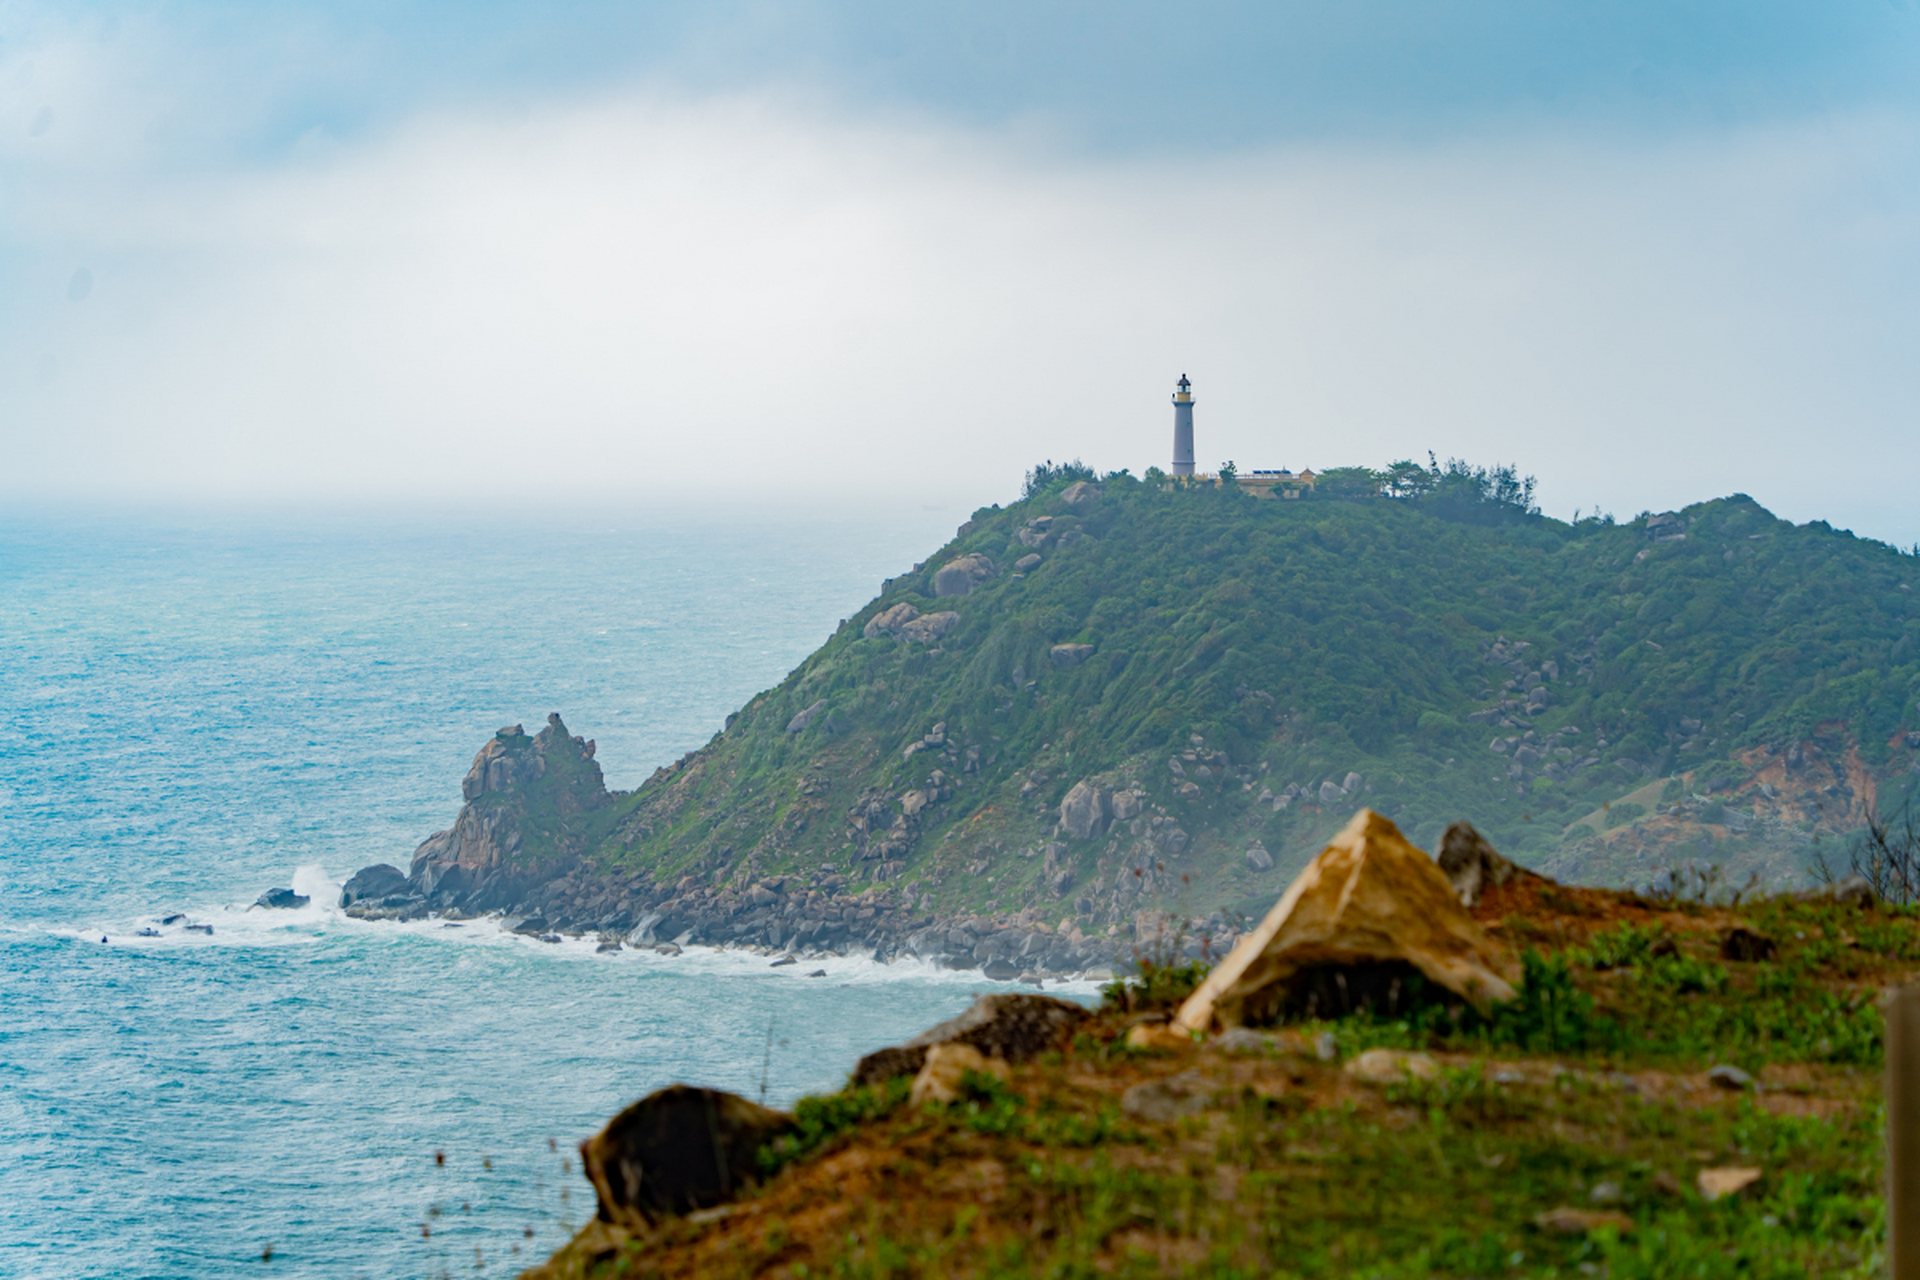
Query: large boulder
x=1084, y=812
x=283, y=899
x=370, y=884
x=1365, y=916
x=1016, y=1027
x=677, y=1150
x=889, y=621
x=958, y=576
x=1473, y=866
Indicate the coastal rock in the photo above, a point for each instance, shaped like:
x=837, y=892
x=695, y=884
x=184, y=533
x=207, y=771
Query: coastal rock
x=371, y=884
x=1013, y=1026
x=285, y=899
x=959, y=576
x=483, y=862
x=805, y=717
x=677, y=1150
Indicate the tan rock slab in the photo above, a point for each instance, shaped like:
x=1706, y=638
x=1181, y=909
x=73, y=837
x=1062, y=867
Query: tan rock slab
x=1391, y=1066
x=1727, y=1181
x=941, y=1077
x=1369, y=897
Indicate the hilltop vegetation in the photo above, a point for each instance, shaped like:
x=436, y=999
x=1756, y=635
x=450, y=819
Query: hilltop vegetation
x=1232, y=676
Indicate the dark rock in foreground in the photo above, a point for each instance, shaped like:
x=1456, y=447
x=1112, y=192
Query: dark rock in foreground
x=677, y=1150
x=282, y=899
x=1015, y=1027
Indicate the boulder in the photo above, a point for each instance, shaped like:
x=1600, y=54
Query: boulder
x=1126, y=805
x=1027, y=563
x=282, y=899
x=888, y=622
x=1258, y=859
x=1083, y=814
x=929, y=627
x=677, y=1150
x=1015, y=1026
x=958, y=576
x=1473, y=866
x=1079, y=493
x=1391, y=1066
x=1363, y=917
x=373, y=883
x=1070, y=655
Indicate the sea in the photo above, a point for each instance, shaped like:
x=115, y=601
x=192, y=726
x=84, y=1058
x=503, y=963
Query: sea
x=201, y=705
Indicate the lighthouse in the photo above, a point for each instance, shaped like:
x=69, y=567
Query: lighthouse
x=1183, y=428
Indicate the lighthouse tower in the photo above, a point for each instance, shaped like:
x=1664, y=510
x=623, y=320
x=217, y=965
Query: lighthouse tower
x=1183, y=428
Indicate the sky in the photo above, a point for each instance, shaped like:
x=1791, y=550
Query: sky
x=1651, y=253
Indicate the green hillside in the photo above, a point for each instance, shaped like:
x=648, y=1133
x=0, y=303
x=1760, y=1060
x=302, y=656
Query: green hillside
x=1601, y=699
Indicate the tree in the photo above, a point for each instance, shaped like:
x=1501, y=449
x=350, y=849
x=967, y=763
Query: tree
x=1048, y=476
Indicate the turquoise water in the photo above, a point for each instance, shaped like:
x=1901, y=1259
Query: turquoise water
x=199, y=708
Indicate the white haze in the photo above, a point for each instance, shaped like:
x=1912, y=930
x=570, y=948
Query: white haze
x=673, y=295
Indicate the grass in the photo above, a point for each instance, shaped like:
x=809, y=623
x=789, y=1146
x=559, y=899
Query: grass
x=1588, y=1093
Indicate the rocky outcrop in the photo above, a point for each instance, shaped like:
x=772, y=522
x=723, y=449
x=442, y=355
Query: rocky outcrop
x=282, y=900
x=1079, y=493
x=527, y=798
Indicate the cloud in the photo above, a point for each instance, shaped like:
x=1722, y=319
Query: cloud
x=764, y=293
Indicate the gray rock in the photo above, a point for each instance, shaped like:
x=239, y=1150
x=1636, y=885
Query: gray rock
x=889, y=621
x=1083, y=814
x=1079, y=493
x=929, y=627
x=1258, y=859
x=370, y=884
x=1026, y=563
x=1350, y=784
x=959, y=576
x=1126, y=805
x=1472, y=865
x=1241, y=1040
x=282, y=899
x=801, y=720
x=1070, y=655
x=1330, y=792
